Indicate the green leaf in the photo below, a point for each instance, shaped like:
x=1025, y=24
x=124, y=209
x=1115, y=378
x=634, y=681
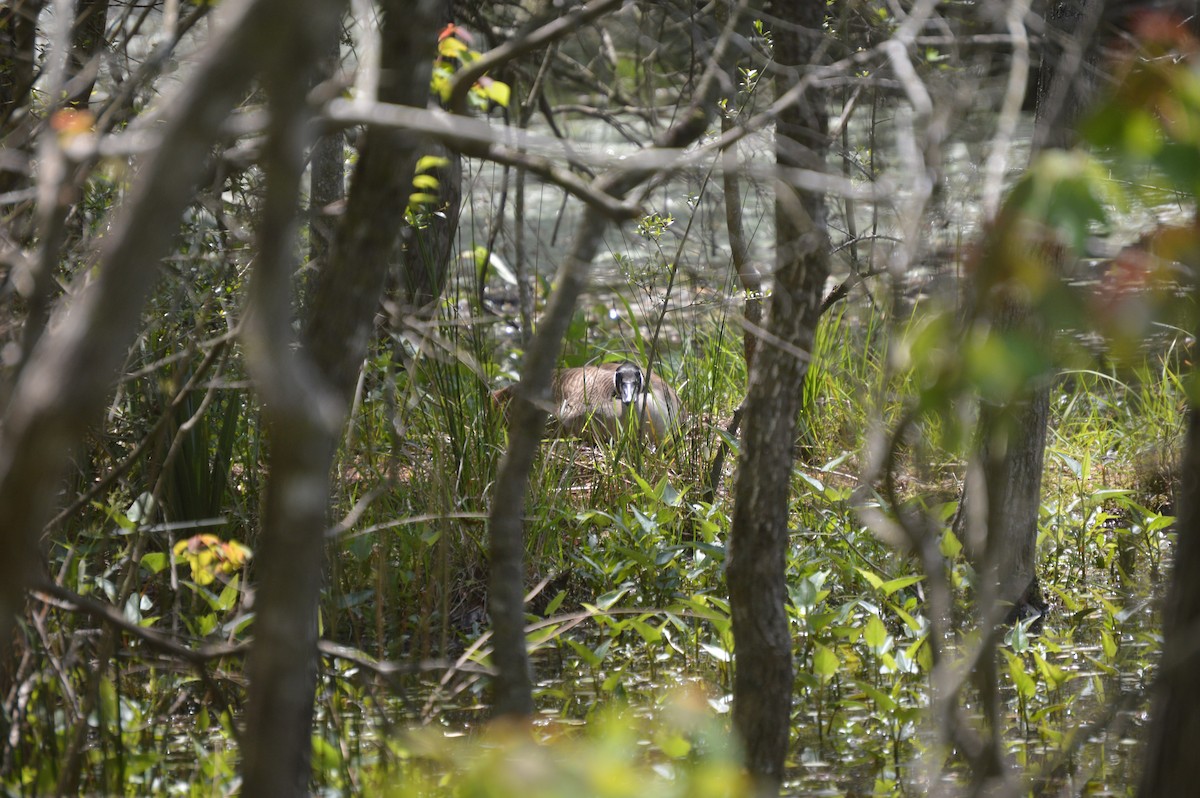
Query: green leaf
x=1109, y=644
x=1018, y=638
x=607, y=600
x=1053, y=675
x=614, y=684
x=950, y=546
x=590, y=658
x=649, y=634
x=133, y=607
x=883, y=701
x=326, y=757
x=555, y=603
x=825, y=662
x=805, y=595
x=238, y=624
x=921, y=654
x=1024, y=683
x=668, y=495
x=672, y=743
x=229, y=596
x=909, y=621
x=154, y=561
x=142, y=508
x=892, y=585
x=440, y=83
x=642, y=484
x=875, y=635
x=645, y=522
x=875, y=580
x=812, y=482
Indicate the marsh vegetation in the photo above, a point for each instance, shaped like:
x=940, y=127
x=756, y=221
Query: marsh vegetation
x=268, y=530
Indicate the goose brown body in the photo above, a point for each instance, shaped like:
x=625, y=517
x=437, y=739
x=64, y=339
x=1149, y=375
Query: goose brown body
x=599, y=400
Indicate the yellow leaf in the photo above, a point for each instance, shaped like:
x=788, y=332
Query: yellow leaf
x=498, y=92
x=451, y=47
x=439, y=84
x=429, y=162
x=237, y=553
x=427, y=182
x=201, y=575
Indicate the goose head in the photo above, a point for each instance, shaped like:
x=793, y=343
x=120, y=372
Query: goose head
x=627, y=383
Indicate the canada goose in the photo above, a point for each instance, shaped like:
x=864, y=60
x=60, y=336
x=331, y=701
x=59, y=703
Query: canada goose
x=599, y=400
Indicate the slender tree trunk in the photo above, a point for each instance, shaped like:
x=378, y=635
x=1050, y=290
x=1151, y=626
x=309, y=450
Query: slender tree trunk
x=87, y=41
x=18, y=35
x=1171, y=767
x=759, y=537
x=428, y=250
x=306, y=393
x=348, y=287
x=1013, y=438
x=327, y=174
x=513, y=690
x=513, y=694
x=302, y=415
x=739, y=251
x=747, y=271
x=1002, y=536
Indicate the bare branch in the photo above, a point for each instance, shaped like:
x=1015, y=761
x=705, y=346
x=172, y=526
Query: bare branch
x=1010, y=110
x=107, y=613
x=514, y=48
x=480, y=139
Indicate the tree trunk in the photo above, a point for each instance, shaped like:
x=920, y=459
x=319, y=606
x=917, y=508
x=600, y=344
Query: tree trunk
x=739, y=252
x=18, y=35
x=506, y=609
x=302, y=416
x=1013, y=455
x=1171, y=767
x=305, y=400
x=747, y=271
x=1013, y=437
x=427, y=250
x=87, y=40
x=348, y=288
x=513, y=691
x=327, y=175
x=759, y=537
